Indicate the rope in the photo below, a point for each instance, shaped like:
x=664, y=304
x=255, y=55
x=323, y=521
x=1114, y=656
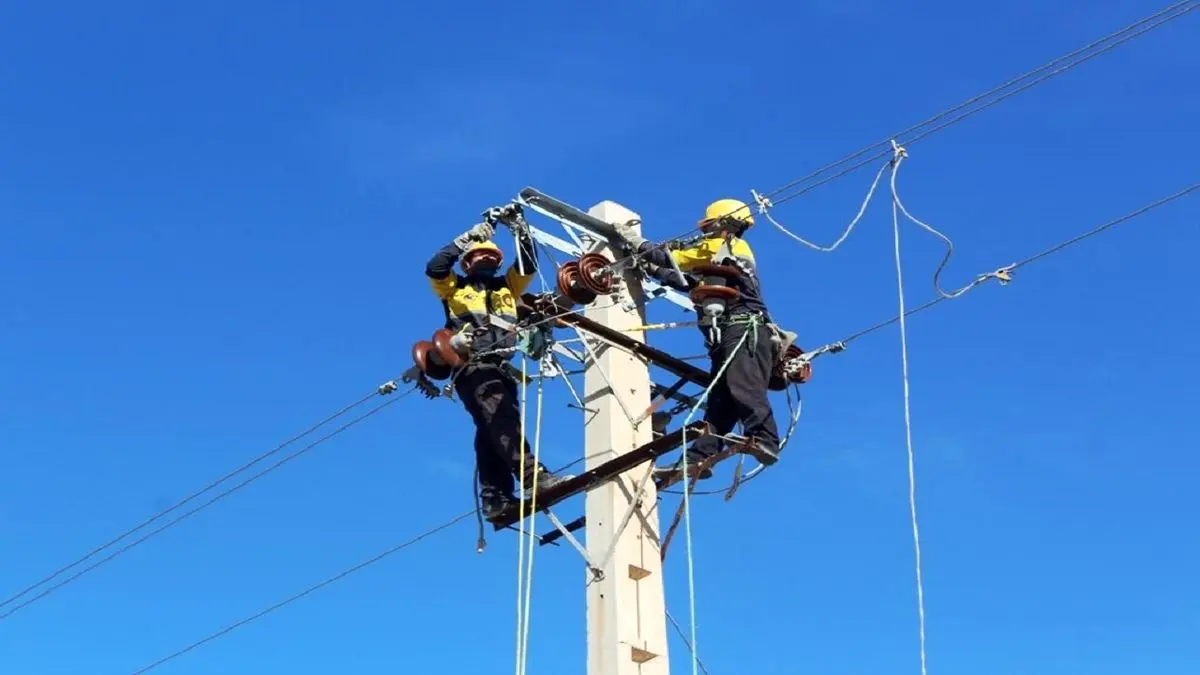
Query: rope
x=764, y=205
x=901, y=155
x=521, y=517
x=537, y=447
x=1033, y=258
x=912, y=496
x=108, y=544
x=201, y=507
x=311, y=589
x=687, y=501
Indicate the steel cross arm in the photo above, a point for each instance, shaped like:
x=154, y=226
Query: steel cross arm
x=662, y=359
x=575, y=223
x=607, y=471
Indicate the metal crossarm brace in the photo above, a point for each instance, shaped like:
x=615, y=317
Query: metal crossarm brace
x=649, y=452
x=673, y=394
x=635, y=504
x=596, y=570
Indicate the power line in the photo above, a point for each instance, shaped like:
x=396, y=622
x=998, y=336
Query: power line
x=187, y=514
x=185, y=500
x=683, y=636
x=1035, y=257
x=311, y=589
x=1046, y=72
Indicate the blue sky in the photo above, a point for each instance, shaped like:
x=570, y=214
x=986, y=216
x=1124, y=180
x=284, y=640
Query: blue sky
x=215, y=221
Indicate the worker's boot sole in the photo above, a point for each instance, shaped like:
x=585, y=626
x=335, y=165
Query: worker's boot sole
x=675, y=471
x=492, y=506
x=546, y=481
x=765, y=454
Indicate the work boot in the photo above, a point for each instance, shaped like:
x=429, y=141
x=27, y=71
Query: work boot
x=765, y=452
x=545, y=481
x=493, y=502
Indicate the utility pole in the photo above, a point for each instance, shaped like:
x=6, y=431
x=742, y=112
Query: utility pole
x=627, y=633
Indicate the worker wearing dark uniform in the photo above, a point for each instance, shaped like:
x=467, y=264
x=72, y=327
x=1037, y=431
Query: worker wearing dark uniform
x=485, y=387
x=740, y=395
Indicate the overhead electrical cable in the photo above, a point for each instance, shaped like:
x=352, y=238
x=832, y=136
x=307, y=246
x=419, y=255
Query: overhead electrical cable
x=187, y=514
x=311, y=589
x=108, y=544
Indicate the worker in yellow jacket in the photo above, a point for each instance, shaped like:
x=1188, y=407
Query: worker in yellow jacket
x=487, y=390
x=741, y=393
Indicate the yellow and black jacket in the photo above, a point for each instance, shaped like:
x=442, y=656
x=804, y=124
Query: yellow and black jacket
x=470, y=301
x=718, y=251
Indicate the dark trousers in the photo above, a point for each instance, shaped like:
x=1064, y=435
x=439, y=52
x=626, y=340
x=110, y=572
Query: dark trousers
x=741, y=393
x=490, y=395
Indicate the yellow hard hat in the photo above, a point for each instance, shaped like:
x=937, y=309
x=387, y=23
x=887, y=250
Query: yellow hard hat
x=481, y=248
x=728, y=208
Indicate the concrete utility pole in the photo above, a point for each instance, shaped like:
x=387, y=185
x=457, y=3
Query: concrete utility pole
x=627, y=633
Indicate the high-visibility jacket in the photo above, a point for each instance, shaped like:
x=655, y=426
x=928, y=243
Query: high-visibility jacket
x=714, y=250
x=471, y=301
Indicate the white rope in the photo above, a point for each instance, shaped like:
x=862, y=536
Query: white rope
x=537, y=452
x=912, y=491
x=764, y=206
x=900, y=154
x=521, y=522
x=687, y=500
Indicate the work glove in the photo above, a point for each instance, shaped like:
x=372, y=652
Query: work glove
x=481, y=232
x=780, y=340
x=630, y=235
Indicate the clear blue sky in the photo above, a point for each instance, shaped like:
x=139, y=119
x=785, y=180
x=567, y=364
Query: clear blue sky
x=215, y=217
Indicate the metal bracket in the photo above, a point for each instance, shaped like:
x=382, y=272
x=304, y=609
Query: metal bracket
x=597, y=572
x=635, y=507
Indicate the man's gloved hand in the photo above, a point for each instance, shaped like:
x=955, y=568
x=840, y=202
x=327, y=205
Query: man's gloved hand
x=627, y=232
x=481, y=232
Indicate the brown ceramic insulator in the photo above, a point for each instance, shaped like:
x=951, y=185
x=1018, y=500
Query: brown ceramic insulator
x=594, y=274
x=705, y=291
x=719, y=271
x=441, y=344
x=425, y=356
x=570, y=284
